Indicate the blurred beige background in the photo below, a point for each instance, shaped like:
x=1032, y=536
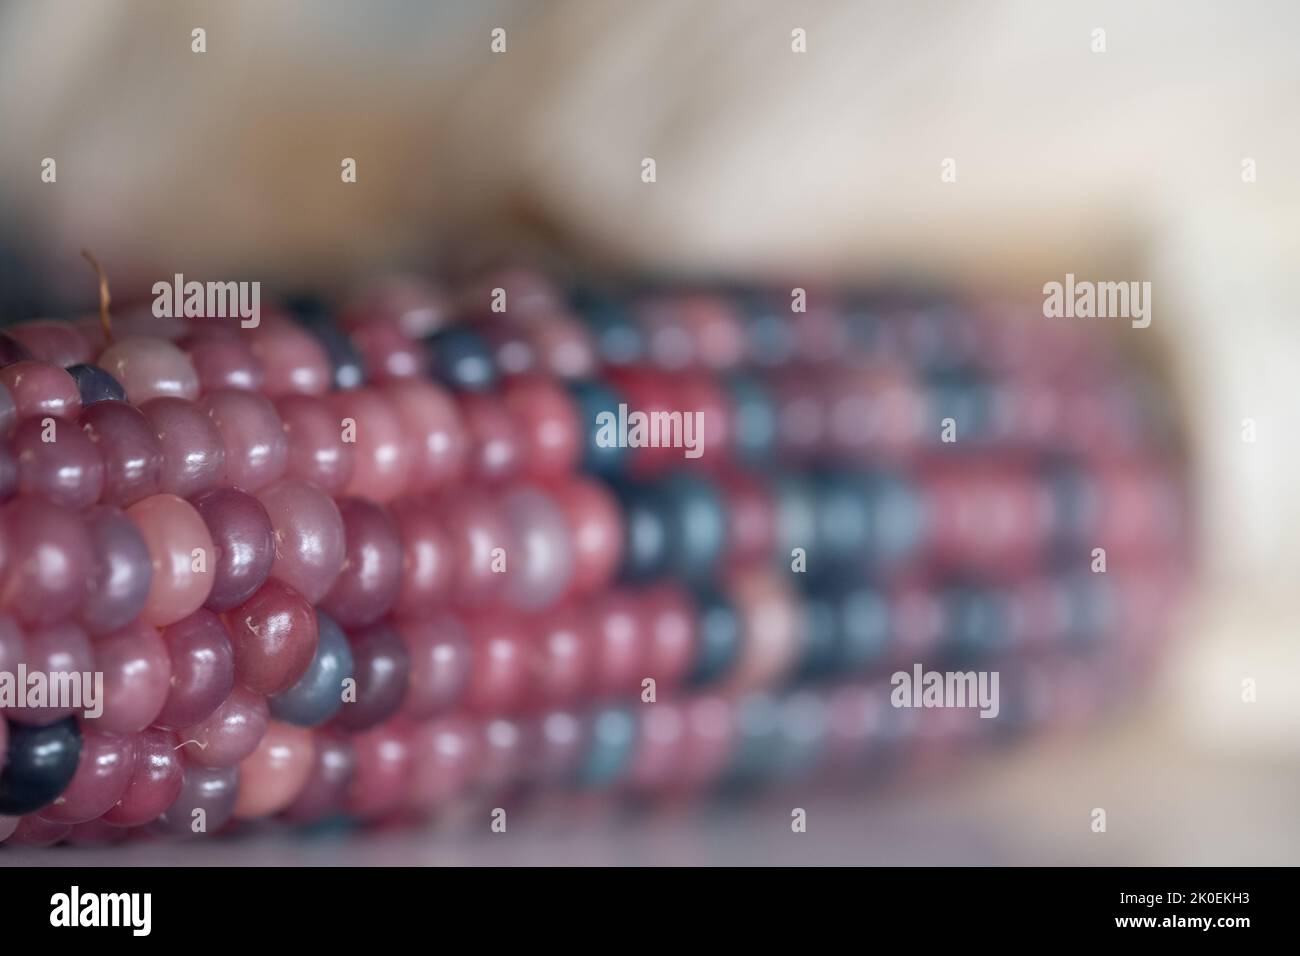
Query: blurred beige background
x=1122, y=165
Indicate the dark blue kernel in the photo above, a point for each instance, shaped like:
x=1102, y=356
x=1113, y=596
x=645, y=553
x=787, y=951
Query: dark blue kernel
x=96, y=385
x=757, y=745
x=345, y=362
x=697, y=525
x=864, y=629
x=319, y=694
x=754, y=423
x=618, y=338
x=462, y=359
x=39, y=765
x=718, y=633
x=609, y=751
x=592, y=399
x=647, y=544
x=817, y=655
